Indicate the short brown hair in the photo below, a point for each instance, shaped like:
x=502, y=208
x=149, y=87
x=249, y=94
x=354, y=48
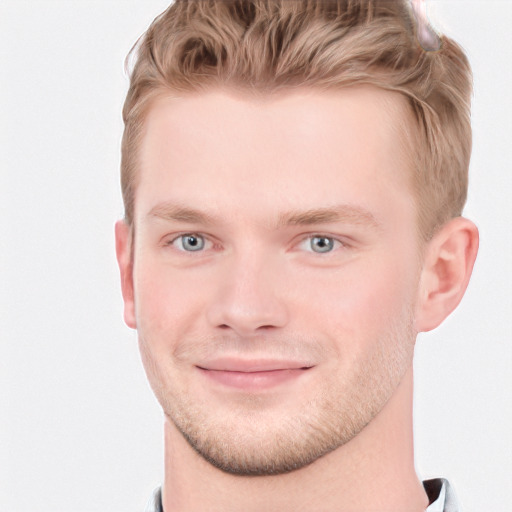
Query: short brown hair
x=263, y=46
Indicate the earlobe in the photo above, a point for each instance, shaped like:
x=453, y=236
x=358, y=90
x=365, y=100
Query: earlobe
x=448, y=264
x=125, y=262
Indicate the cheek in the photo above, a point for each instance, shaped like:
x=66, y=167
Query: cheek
x=360, y=301
x=168, y=302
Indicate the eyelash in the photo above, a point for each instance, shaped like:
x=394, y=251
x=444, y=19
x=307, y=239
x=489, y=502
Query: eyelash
x=337, y=243
x=184, y=235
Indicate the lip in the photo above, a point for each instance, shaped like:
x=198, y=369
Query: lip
x=253, y=375
x=253, y=365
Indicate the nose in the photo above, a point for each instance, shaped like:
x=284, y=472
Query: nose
x=250, y=297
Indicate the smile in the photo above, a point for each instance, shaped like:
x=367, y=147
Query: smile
x=255, y=378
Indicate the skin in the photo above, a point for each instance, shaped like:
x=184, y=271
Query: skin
x=266, y=184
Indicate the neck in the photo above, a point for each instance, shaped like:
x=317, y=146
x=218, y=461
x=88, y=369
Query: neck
x=373, y=472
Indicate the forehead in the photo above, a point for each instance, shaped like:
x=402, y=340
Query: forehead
x=306, y=148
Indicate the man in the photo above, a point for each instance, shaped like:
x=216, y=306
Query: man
x=293, y=175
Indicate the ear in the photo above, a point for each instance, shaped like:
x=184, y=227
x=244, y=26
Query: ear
x=125, y=262
x=448, y=263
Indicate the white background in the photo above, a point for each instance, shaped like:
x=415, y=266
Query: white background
x=79, y=427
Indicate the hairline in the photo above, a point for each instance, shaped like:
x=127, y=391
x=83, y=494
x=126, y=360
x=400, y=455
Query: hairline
x=408, y=131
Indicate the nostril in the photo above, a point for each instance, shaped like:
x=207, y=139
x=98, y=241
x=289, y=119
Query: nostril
x=261, y=327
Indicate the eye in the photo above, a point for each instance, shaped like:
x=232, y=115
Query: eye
x=190, y=242
x=320, y=244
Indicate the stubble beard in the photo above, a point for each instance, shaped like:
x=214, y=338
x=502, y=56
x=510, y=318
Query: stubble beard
x=252, y=440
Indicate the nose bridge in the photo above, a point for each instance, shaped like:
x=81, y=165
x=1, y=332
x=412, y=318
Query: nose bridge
x=250, y=294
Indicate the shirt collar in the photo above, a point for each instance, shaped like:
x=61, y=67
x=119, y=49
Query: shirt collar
x=155, y=502
x=440, y=494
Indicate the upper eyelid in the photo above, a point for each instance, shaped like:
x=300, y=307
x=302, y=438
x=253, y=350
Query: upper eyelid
x=321, y=235
x=337, y=238
x=304, y=236
x=167, y=239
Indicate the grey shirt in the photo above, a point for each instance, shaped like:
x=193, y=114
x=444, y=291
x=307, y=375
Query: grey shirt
x=439, y=492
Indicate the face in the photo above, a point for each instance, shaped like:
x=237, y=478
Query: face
x=275, y=270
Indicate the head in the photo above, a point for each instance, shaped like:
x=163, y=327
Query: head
x=293, y=175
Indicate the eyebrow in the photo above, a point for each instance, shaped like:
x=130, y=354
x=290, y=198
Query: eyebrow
x=345, y=213
x=348, y=214
x=179, y=213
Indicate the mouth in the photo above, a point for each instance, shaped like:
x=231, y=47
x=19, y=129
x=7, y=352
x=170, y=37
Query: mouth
x=253, y=375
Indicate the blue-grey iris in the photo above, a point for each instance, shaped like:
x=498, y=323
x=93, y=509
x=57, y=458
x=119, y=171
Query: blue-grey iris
x=192, y=242
x=321, y=244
